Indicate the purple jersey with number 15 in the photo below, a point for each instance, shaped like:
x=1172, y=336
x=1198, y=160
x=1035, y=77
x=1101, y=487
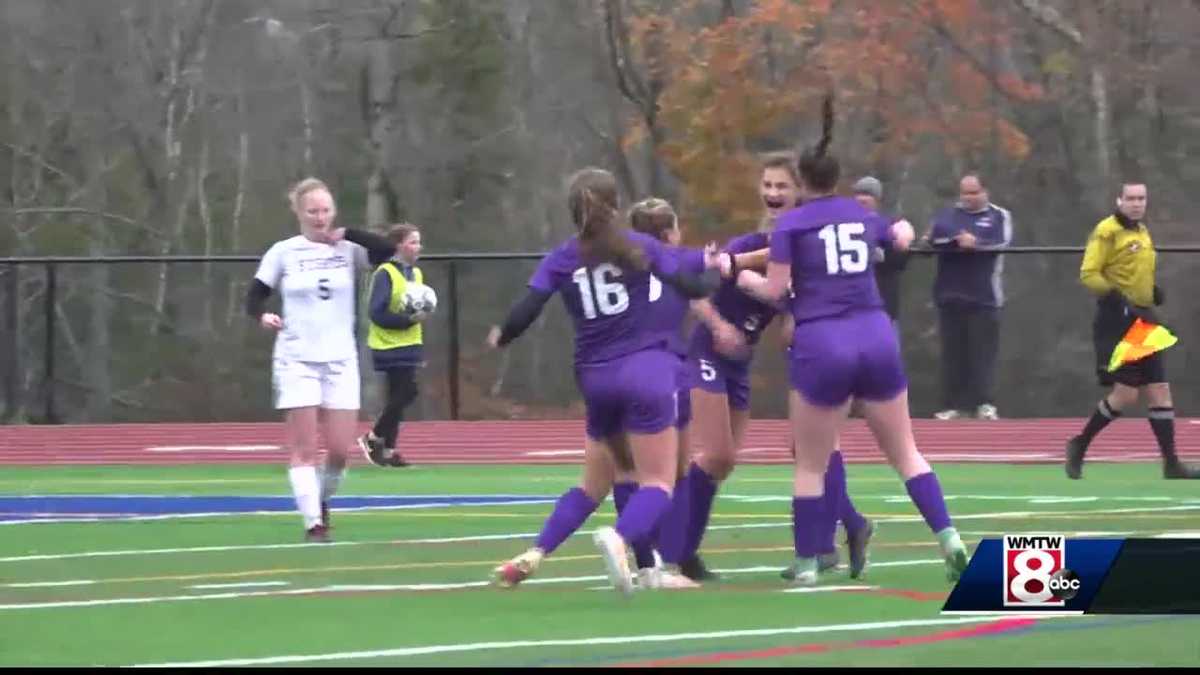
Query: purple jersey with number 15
x=844, y=344
x=829, y=241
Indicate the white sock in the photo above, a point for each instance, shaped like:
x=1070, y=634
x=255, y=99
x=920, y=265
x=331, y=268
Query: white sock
x=331, y=480
x=307, y=489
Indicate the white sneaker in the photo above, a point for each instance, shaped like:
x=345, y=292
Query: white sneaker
x=671, y=581
x=649, y=578
x=987, y=411
x=616, y=558
x=947, y=415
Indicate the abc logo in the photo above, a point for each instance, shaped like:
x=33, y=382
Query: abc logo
x=1064, y=584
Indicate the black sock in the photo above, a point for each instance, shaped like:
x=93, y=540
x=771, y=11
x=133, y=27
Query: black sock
x=1162, y=421
x=1100, y=419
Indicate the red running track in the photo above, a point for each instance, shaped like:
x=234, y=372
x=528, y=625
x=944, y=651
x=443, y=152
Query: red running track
x=560, y=442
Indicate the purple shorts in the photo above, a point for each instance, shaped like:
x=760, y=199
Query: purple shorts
x=714, y=373
x=635, y=393
x=855, y=355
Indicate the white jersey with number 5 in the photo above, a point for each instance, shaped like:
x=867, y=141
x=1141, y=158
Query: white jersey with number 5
x=317, y=283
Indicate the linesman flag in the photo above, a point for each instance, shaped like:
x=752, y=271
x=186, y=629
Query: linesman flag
x=1141, y=340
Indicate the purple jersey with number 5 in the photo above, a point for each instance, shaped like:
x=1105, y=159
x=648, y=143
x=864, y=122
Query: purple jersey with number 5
x=829, y=243
x=610, y=307
x=735, y=306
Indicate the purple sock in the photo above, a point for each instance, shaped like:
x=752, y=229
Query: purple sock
x=835, y=491
x=807, y=516
x=926, y=493
x=645, y=508
x=703, y=491
x=672, y=535
x=570, y=512
x=643, y=550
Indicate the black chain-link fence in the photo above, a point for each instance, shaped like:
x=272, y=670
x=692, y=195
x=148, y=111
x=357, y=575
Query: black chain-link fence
x=166, y=339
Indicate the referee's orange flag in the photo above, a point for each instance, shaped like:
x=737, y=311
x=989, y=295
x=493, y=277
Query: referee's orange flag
x=1141, y=340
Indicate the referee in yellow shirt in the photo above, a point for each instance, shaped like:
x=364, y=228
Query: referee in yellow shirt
x=1118, y=267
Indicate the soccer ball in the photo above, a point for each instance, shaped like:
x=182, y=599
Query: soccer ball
x=420, y=297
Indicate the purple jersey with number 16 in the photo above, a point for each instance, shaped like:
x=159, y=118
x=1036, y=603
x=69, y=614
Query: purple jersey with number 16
x=844, y=344
x=622, y=363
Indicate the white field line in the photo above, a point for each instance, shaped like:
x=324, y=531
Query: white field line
x=48, y=584
x=245, y=584
x=576, y=642
x=526, y=535
x=119, y=518
x=352, y=588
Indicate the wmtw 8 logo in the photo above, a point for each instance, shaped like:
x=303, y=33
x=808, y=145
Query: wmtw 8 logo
x=1035, y=571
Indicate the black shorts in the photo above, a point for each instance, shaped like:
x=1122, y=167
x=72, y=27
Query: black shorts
x=1109, y=326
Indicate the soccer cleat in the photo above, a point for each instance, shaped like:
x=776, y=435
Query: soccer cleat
x=803, y=572
x=954, y=553
x=317, y=534
x=616, y=558
x=825, y=563
x=1074, y=464
x=695, y=569
x=520, y=568
x=856, y=544
x=1177, y=469
x=649, y=578
x=395, y=459
x=372, y=448
x=669, y=579
x=987, y=411
x=947, y=415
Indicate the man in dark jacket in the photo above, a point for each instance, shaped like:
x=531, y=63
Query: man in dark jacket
x=968, y=292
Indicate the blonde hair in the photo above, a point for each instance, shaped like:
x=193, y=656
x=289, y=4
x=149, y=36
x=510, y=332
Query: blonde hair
x=296, y=194
x=653, y=216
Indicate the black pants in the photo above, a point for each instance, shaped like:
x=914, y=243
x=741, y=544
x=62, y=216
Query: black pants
x=401, y=391
x=970, y=343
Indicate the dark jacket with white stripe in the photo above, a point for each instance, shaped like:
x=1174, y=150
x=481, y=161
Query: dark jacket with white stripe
x=971, y=278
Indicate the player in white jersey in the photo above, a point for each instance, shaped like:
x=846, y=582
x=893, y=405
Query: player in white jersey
x=315, y=361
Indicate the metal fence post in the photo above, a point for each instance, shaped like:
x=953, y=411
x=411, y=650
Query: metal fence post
x=452, y=366
x=51, y=300
x=12, y=377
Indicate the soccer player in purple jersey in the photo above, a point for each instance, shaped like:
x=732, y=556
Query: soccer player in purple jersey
x=721, y=396
x=654, y=217
x=623, y=367
x=843, y=346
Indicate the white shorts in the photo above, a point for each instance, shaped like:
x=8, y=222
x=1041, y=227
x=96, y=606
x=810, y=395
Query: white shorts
x=302, y=384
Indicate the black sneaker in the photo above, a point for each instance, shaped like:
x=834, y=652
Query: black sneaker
x=1178, y=470
x=372, y=448
x=694, y=569
x=395, y=459
x=856, y=544
x=1074, y=465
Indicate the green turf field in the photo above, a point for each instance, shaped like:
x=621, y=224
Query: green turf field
x=380, y=597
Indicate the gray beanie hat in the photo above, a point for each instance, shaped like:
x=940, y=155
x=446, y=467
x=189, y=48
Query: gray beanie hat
x=869, y=185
